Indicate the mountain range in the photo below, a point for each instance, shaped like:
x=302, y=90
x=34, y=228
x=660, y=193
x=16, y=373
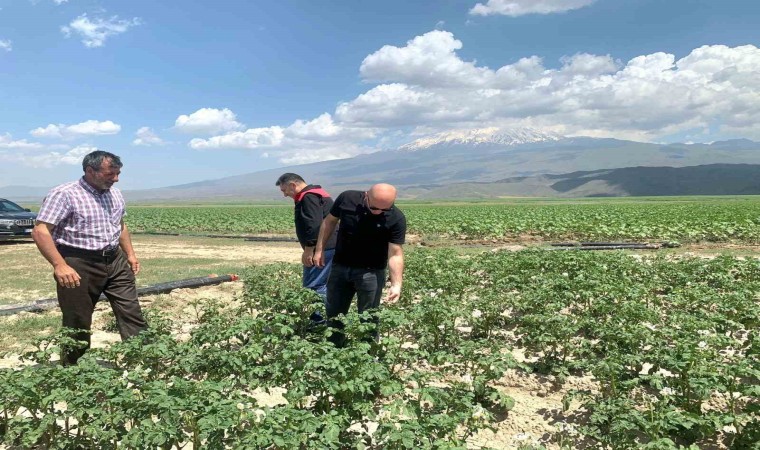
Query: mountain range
x=492, y=163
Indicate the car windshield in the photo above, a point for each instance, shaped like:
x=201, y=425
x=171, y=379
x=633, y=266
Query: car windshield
x=8, y=206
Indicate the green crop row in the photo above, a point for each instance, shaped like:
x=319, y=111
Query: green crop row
x=708, y=220
x=672, y=346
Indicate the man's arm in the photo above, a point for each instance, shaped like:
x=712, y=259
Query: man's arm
x=325, y=231
x=125, y=242
x=396, y=266
x=64, y=274
x=311, y=217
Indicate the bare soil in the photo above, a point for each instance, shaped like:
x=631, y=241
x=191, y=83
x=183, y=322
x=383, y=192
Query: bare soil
x=253, y=253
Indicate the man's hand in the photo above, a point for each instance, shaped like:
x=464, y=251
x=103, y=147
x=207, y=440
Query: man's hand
x=134, y=263
x=328, y=226
x=66, y=276
x=319, y=258
x=394, y=293
x=307, y=258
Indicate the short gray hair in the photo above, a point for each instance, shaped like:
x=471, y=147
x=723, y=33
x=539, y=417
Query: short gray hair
x=95, y=160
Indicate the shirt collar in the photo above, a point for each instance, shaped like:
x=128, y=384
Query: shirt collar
x=90, y=188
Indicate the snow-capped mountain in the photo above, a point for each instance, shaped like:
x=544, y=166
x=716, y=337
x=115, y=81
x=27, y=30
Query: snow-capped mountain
x=479, y=163
x=482, y=136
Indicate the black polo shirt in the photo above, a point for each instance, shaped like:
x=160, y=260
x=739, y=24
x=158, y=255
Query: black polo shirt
x=363, y=237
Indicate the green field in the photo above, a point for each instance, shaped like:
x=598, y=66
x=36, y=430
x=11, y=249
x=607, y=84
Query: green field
x=684, y=219
x=672, y=347
x=657, y=351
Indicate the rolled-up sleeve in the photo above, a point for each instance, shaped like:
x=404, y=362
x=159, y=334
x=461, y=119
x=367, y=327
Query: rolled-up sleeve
x=55, y=208
x=398, y=232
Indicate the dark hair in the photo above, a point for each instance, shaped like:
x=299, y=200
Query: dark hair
x=289, y=178
x=95, y=160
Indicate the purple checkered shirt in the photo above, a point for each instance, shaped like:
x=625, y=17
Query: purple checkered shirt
x=84, y=217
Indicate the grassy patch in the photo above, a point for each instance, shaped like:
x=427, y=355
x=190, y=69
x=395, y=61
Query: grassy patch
x=29, y=284
x=20, y=331
x=26, y=276
x=161, y=270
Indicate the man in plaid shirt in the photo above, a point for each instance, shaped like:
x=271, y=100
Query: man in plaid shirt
x=80, y=230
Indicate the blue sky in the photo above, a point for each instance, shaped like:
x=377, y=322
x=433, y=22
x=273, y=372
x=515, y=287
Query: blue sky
x=187, y=91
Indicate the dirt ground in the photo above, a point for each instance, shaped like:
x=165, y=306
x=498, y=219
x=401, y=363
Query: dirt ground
x=250, y=252
x=26, y=276
x=538, y=409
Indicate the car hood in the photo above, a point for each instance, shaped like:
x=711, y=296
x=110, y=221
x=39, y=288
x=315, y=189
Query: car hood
x=17, y=215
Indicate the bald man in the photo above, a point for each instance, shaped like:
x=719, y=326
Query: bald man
x=372, y=231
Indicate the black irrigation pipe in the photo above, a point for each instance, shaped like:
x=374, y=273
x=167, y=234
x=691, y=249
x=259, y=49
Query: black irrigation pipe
x=269, y=239
x=612, y=245
x=160, y=288
x=247, y=238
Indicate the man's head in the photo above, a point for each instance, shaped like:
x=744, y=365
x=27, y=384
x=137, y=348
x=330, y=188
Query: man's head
x=290, y=184
x=101, y=169
x=380, y=198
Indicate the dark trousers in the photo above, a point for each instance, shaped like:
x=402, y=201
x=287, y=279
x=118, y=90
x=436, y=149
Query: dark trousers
x=342, y=284
x=109, y=275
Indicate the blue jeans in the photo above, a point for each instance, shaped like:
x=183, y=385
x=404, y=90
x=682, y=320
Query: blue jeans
x=315, y=278
x=343, y=283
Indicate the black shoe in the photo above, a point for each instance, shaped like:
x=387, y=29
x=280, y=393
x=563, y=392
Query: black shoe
x=316, y=318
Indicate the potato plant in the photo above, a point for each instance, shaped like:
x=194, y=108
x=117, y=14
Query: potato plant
x=671, y=343
x=158, y=391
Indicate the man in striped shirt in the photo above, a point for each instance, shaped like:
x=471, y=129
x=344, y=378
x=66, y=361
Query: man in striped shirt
x=80, y=230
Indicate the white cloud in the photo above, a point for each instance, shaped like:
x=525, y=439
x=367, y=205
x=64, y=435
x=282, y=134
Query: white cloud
x=6, y=44
x=208, y=121
x=428, y=85
x=93, y=127
x=305, y=155
x=429, y=60
x=427, y=88
x=589, y=65
x=60, y=2
x=516, y=8
x=73, y=156
x=50, y=131
x=253, y=138
x=146, y=137
x=324, y=129
x=87, y=128
x=7, y=142
x=95, y=32
x=319, y=139
x=395, y=105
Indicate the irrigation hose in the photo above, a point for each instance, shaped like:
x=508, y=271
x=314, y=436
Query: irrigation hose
x=247, y=238
x=160, y=288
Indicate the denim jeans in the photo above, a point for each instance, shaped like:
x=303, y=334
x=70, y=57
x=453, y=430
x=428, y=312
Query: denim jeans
x=342, y=284
x=315, y=278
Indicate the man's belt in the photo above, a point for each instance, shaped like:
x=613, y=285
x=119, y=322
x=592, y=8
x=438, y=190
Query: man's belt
x=104, y=253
